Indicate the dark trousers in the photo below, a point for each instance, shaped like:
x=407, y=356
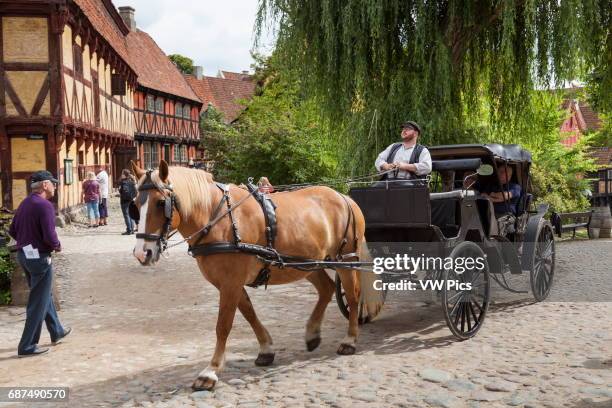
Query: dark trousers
x=103, y=208
x=129, y=223
x=39, y=273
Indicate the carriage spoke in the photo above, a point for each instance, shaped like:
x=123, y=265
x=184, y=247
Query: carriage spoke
x=467, y=316
x=462, y=317
x=476, y=319
x=450, y=299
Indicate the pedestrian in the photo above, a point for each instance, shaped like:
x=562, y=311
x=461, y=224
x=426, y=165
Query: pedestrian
x=91, y=197
x=33, y=227
x=104, y=187
x=127, y=193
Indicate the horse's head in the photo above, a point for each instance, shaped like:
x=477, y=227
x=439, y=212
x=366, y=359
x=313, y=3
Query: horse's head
x=154, y=211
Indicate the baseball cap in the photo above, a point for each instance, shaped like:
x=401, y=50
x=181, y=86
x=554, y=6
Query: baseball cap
x=412, y=125
x=42, y=175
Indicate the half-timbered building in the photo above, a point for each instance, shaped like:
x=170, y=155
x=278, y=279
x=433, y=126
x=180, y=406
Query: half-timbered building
x=81, y=90
x=166, y=109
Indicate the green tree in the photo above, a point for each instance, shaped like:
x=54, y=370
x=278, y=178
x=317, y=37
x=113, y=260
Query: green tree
x=280, y=134
x=184, y=64
x=453, y=66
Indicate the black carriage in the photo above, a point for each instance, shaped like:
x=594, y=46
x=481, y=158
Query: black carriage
x=446, y=211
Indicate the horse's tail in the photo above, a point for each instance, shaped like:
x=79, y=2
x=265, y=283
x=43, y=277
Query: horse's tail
x=371, y=299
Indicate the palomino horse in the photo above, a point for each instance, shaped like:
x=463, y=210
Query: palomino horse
x=311, y=224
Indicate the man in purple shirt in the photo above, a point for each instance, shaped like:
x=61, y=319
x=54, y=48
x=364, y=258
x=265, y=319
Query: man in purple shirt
x=33, y=228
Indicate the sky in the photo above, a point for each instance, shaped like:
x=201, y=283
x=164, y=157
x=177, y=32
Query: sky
x=215, y=34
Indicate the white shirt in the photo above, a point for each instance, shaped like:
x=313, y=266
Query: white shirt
x=103, y=181
x=402, y=155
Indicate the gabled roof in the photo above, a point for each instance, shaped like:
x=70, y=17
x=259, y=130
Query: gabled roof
x=154, y=68
x=224, y=94
x=237, y=76
x=602, y=156
x=107, y=22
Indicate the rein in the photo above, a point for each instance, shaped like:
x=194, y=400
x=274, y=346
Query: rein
x=211, y=223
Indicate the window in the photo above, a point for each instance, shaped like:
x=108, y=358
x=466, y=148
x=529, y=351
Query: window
x=117, y=85
x=159, y=105
x=178, y=110
x=146, y=148
x=186, y=112
x=180, y=153
x=150, y=103
x=77, y=53
x=154, y=155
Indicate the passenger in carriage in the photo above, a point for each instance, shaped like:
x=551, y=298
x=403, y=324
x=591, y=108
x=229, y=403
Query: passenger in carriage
x=409, y=159
x=504, y=194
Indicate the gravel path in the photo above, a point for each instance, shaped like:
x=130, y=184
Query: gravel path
x=141, y=335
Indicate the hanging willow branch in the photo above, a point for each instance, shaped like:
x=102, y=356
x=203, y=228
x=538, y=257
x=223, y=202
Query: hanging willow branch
x=436, y=61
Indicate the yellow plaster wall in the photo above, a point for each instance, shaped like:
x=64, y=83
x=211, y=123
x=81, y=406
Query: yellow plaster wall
x=25, y=39
x=67, y=47
x=27, y=85
x=27, y=155
x=19, y=191
x=86, y=63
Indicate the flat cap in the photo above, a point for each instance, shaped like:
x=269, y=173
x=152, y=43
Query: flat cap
x=42, y=175
x=411, y=125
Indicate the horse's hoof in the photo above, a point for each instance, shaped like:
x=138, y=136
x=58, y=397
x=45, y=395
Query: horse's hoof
x=203, y=384
x=264, y=359
x=346, y=349
x=313, y=343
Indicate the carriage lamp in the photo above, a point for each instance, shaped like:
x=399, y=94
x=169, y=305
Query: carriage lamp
x=68, y=172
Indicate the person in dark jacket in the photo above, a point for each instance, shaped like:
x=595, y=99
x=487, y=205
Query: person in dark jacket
x=127, y=193
x=33, y=228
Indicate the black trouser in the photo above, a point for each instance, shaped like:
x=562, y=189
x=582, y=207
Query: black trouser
x=39, y=273
x=129, y=223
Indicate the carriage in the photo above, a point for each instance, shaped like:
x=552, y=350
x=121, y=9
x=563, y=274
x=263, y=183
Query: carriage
x=450, y=220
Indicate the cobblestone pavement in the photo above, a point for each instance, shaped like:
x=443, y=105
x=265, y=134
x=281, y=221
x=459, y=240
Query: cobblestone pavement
x=141, y=335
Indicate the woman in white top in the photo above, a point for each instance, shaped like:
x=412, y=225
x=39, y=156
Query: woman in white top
x=103, y=181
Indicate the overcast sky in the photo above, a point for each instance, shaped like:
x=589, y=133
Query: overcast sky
x=215, y=34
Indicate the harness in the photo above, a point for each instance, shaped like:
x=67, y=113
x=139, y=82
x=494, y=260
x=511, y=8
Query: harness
x=169, y=203
x=266, y=254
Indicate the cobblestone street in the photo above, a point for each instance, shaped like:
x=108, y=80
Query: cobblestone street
x=141, y=336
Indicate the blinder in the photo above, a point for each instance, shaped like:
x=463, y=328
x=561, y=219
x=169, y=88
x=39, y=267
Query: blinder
x=168, y=204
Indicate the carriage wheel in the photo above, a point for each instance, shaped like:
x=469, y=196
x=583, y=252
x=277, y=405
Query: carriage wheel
x=543, y=270
x=343, y=304
x=465, y=309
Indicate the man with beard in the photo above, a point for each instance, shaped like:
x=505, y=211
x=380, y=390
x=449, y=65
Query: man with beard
x=409, y=159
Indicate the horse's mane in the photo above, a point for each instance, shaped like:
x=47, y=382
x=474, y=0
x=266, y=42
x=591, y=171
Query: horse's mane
x=192, y=186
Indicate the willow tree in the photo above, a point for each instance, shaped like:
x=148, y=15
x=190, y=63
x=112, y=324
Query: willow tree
x=446, y=64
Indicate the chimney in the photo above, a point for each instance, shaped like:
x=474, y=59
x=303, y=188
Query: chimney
x=127, y=14
x=198, y=71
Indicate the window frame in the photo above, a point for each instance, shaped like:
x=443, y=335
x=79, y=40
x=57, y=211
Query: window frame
x=150, y=103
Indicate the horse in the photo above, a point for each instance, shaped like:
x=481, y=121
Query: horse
x=311, y=224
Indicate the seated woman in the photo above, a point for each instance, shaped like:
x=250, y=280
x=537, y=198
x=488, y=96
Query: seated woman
x=504, y=195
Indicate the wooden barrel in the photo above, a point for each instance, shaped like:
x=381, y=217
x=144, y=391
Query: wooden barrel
x=602, y=221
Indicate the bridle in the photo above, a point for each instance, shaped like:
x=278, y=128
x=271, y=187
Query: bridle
x=169, y=203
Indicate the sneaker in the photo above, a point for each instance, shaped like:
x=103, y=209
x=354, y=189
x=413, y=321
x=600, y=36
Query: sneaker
x=67, y=331
x=126, y=233
x=37, y=351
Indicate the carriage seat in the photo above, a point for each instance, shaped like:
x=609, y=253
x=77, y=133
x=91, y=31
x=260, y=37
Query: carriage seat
x=455, y=194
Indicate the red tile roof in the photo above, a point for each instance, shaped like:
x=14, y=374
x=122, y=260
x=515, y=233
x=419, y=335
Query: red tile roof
x=237, y=76
x=154, y=69
x=107, y=22
x=582, y=119
x=602, y=156
x=224, y=94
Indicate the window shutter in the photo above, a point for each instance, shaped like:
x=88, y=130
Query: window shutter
x=117, y=85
